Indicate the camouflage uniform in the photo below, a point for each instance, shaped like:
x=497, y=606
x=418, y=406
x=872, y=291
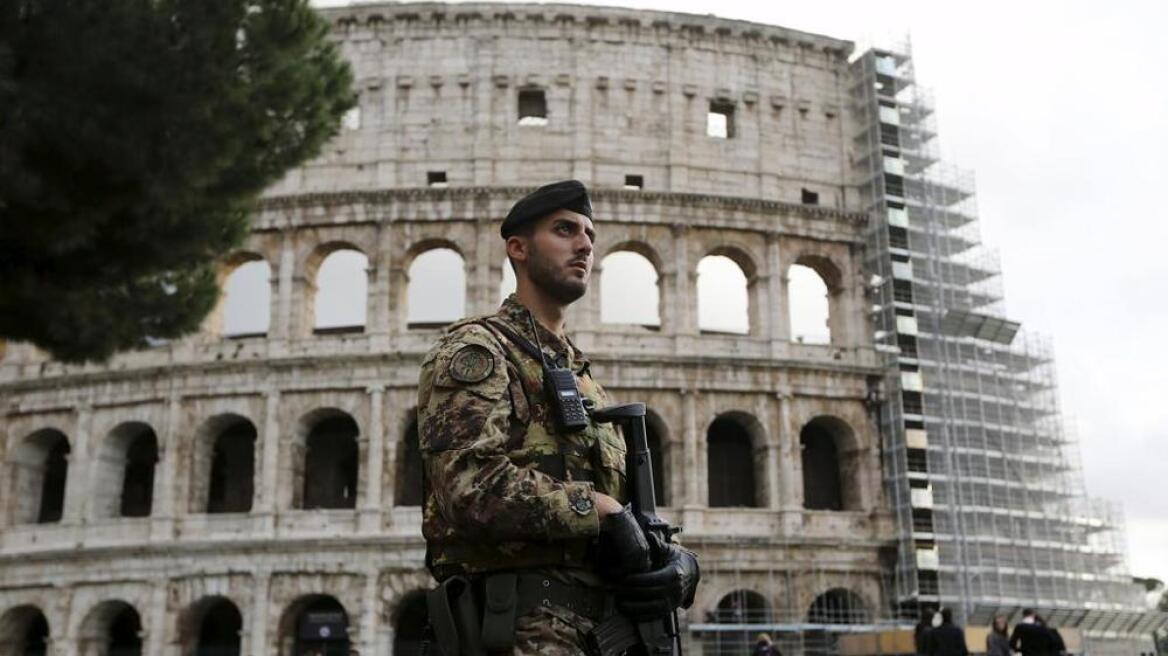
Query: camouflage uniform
x=503, y=490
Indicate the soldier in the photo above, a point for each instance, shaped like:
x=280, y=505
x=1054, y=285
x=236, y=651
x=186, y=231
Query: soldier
x=522, y=510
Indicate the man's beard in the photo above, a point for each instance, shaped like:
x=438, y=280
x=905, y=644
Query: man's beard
x=550, y=279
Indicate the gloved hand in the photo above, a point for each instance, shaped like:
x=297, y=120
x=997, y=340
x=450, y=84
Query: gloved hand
x=654, y=594
x=622, y=548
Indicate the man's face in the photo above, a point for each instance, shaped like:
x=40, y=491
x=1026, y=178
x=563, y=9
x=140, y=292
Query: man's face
x=559, y=255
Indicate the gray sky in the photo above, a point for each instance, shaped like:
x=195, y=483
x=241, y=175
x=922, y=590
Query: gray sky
x=1061, y=109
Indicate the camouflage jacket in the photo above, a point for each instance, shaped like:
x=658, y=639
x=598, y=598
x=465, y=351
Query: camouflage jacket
x=503, y=490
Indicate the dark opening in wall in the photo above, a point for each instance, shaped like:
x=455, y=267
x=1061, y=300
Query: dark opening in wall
x=220, y=629
x=822, y=489
x=908, y=345
x=634, y=182
x=125, y=633
x=330, y=464
x=922, y=520
x=138, y=480
x=720, y=120
x=893, y=185
x=36, y=636
x=322, y=628
x=53, y=485
x=889, y=135
x=730, y=465
x=902, y=291
x=436, y=178
x=533, y=108
x=810, y=197
x=409, y=469
x=897, y=237
x=914, y=402
x=233, y=470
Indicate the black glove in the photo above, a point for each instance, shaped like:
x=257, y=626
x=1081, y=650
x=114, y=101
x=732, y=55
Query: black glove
x=655, y=594
x=621, y=548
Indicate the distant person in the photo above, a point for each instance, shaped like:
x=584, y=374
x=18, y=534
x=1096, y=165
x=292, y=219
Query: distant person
x=764, y=647
x=922, y=629
x=998, y=639
x=1031, y=638
x=947, y=639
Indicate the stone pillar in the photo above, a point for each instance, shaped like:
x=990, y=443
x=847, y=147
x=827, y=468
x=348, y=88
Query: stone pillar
x=790, y=454
x=256, y=626
x=267, y=478
x=685, y=284
x=155, y=620
x=281, y=322
x=377, y=320
x=368, y=641
x=79, y=476
x=694, y=492
x=167, y=485
x=482, y=271
x=780, y=321
x=374, y=460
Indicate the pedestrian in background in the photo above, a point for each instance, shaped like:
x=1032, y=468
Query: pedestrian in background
x=1031, y=638
x=1057, y=646
x=764, y=647
x=947, y=639
x=922, y=630
x=998, y=639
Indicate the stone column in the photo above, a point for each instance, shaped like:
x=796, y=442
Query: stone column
x=377, y=321
x=374, y=460
x=79, y=475
x=281, y=328
x=368, y=638
x=685, y=283
x=167, y=485
x=780, y=322
x=256, y=626
x=155, y=620
x=267, y=479
x=693, y=494
x=790, y=455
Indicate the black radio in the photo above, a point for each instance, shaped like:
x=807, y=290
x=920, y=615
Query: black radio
x=559, y=388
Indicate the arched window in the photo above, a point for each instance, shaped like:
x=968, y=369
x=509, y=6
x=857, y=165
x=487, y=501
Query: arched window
x=829, y=461
x=41, y=468
x=730, y=464
x=24, y=631
x=113, y=628
x=341, y=292
x=839, y=606
x=247, y=299
x=409, y=624
x=738, y=607
x=409, y=468
x=437, y=289
x=330, y=464
x=628, y=290
x=808, y=306
x=232, y=475
x=214, y=626
x=316, y=624
x=507, y=284
x=723, y=296
x=125, y=481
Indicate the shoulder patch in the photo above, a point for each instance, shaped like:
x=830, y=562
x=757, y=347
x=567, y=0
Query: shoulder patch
x=472, y=363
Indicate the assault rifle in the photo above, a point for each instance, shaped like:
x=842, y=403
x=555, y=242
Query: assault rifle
x=617, y=635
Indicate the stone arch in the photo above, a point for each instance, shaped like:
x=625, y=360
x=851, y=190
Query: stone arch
x=436, y=284
x=124, y=486
x=223, y=465
x=409, y=623
x=630, y=290
x=24, y=631
x=338, y=291
x=741, y=606
x=808, y=306
x=735, y=476
x=112, y=628
x=314, y=623
x=727, y=292
x=830, y=464
x=839, y=606
x=244, y=308
x=327, y=466
x=408, y=474
x=657, y=435
x=40, y=468
x=212, y=626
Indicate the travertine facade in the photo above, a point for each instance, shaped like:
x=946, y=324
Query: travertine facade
x=230, y=533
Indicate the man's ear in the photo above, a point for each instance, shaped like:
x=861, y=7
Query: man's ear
x=517, y=248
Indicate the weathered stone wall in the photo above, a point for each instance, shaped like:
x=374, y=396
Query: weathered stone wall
x=729, y=198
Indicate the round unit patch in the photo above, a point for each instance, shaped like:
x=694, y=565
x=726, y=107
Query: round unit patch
x=471, y=364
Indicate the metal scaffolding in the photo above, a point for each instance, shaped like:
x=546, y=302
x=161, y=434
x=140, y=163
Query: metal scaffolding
x=983, y=479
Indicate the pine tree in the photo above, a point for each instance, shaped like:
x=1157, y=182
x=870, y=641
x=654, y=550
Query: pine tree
x=135, y=136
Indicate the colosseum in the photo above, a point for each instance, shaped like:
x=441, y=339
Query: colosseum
x=254, y=488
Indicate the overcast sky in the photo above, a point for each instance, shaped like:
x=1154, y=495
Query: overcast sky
x=1061, y=109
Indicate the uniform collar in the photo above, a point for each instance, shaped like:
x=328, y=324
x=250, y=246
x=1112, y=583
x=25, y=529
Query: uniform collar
x=516, y=315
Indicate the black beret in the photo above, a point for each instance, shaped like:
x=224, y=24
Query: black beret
x=569, y=195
